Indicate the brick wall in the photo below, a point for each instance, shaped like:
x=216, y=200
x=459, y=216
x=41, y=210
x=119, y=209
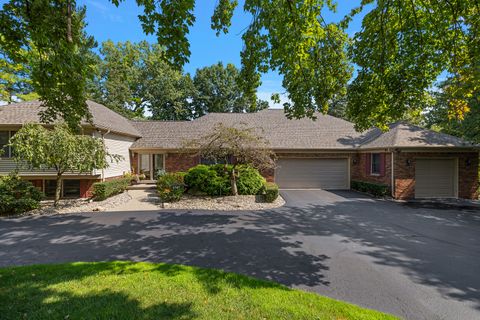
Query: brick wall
x=359, y=171
x=180, y=161
x=405, y=174
x=86, y=187
x=134, y=162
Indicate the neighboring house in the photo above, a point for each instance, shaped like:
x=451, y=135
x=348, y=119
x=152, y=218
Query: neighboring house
x=327, y=153
x=117, y=132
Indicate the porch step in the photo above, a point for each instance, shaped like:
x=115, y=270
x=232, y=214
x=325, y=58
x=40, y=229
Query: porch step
x=142, y=186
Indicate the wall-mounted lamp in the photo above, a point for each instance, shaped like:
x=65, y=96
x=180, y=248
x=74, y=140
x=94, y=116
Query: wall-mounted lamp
x=409, y=162
x=355, y=161
x=468, y=162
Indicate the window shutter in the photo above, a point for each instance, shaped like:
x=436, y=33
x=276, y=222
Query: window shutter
x=368, y=163
x=382, y=164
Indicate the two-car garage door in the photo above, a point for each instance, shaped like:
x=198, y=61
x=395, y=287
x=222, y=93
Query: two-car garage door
x=292, y=173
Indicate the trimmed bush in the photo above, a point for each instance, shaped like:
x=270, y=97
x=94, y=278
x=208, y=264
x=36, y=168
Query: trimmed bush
x=104, y=190
x=375, y=189
x=249, y=180
x=17, y=195
x=270, y=191
x=214, y=180
x=171, y=186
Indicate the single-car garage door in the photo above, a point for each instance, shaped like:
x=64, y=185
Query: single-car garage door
x=435, y=178
x=312, y=173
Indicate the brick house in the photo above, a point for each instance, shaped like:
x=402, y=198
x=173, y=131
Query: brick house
x=327, y=153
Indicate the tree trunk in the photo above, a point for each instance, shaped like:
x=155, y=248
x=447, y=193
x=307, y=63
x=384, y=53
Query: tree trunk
x=233, y=181
x=58, y=189
x=69, y=22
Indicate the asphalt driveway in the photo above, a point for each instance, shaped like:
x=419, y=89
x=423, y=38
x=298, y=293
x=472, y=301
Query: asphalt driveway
x=418, y=263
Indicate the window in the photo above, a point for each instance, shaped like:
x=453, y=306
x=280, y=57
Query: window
x=50, y=186
x=209, y=161
x=71, y=188
x=4, y=137
x=375, y=163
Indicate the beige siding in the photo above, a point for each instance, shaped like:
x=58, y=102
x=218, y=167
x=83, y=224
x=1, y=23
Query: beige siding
x=312, y=173
x=8, y=165
x=118, y=144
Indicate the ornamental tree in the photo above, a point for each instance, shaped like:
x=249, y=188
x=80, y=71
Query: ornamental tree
x=234, y=146
x=60, y=148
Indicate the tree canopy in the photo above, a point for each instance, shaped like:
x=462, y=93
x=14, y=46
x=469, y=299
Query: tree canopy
x=61, y=149
x=398, y=55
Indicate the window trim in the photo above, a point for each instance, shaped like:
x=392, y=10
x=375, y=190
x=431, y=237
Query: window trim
x=8, y=154
x=372, y=173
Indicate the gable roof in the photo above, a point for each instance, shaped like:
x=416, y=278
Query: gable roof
x=404, y=135
x=324, y=133
x=102, y=117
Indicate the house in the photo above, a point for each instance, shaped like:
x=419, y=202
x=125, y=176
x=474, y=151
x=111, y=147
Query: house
x=327, y=153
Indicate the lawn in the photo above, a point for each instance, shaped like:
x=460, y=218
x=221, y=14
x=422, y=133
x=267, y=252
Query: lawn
x=127, y=290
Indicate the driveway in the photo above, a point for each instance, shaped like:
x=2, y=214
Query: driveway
x=418, y=263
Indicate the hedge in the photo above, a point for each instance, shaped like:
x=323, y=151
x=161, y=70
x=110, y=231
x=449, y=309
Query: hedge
x=104, y=190
x=270, y=191
x=375, y=189
x=171, y=186
x=17, y=195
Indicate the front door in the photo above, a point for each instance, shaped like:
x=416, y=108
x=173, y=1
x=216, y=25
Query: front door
x=151, y=165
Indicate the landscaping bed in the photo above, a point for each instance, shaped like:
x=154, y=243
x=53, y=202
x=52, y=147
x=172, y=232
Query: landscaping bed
x=79, y=205
x=127, y=290
x=252, y=202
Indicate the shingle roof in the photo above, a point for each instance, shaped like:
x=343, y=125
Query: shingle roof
x=326, y=132
x=103, y=118
x=402, y=134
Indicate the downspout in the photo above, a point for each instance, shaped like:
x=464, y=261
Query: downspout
x=393, y=177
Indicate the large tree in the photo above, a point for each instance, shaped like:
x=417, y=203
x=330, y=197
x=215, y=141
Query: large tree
x=61, y=149
x=119, y=82
x=401, y=49
x=217, y=90
x=51, y=32
x=15, y=81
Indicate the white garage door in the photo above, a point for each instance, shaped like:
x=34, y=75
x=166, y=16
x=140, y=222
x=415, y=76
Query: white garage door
x=312, y=173
x=435, y=178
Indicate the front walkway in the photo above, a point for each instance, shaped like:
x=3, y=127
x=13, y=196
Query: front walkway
x=142, y=200
x=418, y=263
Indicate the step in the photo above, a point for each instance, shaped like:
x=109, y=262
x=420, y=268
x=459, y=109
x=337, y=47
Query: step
x=142, y=186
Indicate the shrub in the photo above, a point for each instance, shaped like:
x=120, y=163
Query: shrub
x=377, y=190
x=171, y=186
x=17, y=195
x=270, y=191
x=249, y=181
x=106, y=189
x=198, y=178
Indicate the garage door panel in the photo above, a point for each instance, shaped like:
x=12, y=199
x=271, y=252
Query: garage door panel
x=435, y=178
x=312, y=173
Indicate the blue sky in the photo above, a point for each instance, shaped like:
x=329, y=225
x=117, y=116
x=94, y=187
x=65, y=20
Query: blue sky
x=105, y=21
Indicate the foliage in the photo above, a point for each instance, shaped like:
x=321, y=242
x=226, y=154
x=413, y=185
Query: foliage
x=167, y=90
x=217, y=90
x=39, y=148
x=48, y=36
x=171, y=186
x=208, y=180
x=17, y=195
x=106, y=189
x=249, y=181
x=439, y=117
x=377, y=190
x=234, y=146
x=139, y=290
x=15, y=83
x=119, y=82
x=270, y=191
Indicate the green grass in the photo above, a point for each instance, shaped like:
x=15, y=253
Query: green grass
x=127, y=290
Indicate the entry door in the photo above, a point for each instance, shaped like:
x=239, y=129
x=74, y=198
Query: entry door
x=312, y=174
x=435, y=178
